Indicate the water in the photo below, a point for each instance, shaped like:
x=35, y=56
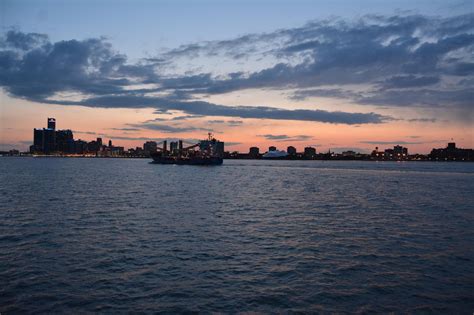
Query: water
x=123, y=235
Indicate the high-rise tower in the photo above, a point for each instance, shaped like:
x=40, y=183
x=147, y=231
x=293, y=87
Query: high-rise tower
x=52, y=123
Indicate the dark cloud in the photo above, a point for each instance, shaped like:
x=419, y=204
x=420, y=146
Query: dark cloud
x=168, y=128
x=125, y=129
x=422, y=120
x=457, y=98
x=209, y=109
x=216, y=121
x=286, y=137
x=332, y=93
x=231, y=144
x=408, y=81
x=400, y=142
x=22, y=41
x=186, y=117
x=113, y=137
x=84, y=132
x=397, y=58
x=90, y=66
x=382, y=52
x=228, y=122
x=234, y=122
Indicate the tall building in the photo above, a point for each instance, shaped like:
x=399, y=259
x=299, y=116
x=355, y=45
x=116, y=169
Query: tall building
x=309, y=153
x=37, y=141
x=52, y=123
x=49, y=140
x=398, y=150
x=94, y=146
x=150, y=146
x=44, y=140
x=254, y=152
x=65, y=141
x=452, y=153
x=80, y=146
x=291, y=150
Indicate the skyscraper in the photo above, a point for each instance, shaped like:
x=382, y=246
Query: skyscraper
x=291, y=150
x=52, y=123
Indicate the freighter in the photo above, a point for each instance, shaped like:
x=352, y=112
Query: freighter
x=205, y=152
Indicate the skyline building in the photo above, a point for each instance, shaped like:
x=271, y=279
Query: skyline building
x=291, y=150
x=51, y=123
x=309, y=153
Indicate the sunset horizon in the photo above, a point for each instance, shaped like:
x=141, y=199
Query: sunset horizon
x=334, y=82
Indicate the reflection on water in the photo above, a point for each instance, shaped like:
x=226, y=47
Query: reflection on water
x=118, y=235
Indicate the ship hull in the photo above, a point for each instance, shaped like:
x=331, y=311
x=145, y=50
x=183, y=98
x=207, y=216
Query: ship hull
x=158, y=159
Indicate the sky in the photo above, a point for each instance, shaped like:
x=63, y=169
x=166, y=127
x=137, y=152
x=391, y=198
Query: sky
x=336, y=75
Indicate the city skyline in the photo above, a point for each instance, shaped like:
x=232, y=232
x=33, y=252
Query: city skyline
x=340, y=78
x=51, y=141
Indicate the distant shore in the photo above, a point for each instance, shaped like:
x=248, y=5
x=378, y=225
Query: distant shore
x=234, y=158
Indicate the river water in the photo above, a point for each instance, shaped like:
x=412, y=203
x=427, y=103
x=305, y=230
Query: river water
x=124, y=235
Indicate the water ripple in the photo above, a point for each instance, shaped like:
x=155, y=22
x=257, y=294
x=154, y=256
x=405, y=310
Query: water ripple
x=122, y=236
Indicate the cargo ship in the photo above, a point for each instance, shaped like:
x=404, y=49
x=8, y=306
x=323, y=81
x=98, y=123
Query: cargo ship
x=205, y=152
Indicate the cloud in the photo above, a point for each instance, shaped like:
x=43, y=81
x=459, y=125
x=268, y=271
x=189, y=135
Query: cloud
x=382, y=52
x=186, y=140
x=458, y=98
x=186, y=117
x=400, y=142
x=168, y=128
x=408, y=81
x=231, y=144
x=422, y=120
x=210, y=109
x=84, y=132
x=125, y=129
x=401, y=60
x=231, y=123
x=286, y=137
x=22, y=41
x=300, y=95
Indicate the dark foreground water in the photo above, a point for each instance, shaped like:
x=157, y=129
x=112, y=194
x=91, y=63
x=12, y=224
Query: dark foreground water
x=118, y=235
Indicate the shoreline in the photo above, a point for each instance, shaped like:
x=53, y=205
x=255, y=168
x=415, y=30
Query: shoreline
x=261, y=159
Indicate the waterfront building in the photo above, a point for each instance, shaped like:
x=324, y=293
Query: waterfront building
x=150, y=146
x=309, y=153
x=94, y=146
x=65, y=141
x=275, y=154
x=349, y=153
x=452, y=153
x=397, y=153
x=37, y=141
x=80, y=146
x=291, y=150
x=44, y=140
x=254, y=152
x=49, y=140
x=400, y=151
x=51, y=123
